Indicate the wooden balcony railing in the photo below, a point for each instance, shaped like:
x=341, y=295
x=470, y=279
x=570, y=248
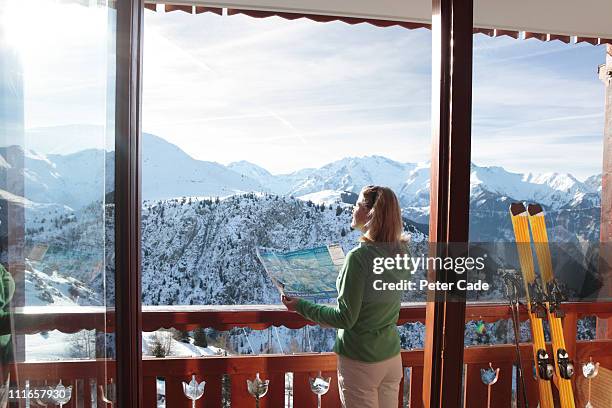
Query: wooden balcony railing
x=85, y=374
x=35, y=319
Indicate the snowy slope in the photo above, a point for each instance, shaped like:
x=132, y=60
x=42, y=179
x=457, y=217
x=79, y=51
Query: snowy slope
x=169, y=172
x=272, y=183
x=332, y=197
x=55, y=345
x=42, y=289
x=77, y=179
x=550, y=189
x=67, y=139
x=208, y=246
x=553, y=190
x=352, y=174
x=203, y=251
x=177, y=348
x=48, y=346
x=594, y=182
x=74, y=180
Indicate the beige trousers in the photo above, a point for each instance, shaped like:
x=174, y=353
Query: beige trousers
x=369, y=385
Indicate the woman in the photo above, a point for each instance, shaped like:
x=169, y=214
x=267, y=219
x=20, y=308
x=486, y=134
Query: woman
x=367, y=342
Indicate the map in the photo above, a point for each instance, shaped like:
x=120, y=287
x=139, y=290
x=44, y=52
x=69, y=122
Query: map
x=307, y=273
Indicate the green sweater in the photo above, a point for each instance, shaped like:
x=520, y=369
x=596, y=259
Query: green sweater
x=7, y=289
x=366, y=319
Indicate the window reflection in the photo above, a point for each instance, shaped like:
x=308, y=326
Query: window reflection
x=56, y=183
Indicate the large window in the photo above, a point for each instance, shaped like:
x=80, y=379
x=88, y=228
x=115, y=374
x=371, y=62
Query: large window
x=261, y=133
x=56, y=181
x=537, y=136
x=538, y=111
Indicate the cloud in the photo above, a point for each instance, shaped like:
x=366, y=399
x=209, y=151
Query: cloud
x=538, y=106
x=298, y=85
x=290, y=94
x=280, y=84
x=65, y=77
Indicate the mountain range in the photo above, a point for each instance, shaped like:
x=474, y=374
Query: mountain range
x=74, y=180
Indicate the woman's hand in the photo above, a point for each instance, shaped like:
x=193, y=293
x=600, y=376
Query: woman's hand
x=290, y=302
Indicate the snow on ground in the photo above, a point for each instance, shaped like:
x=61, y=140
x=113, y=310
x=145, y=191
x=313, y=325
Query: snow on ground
x=323, y=197
x=55, y=289
x=48, y=346
x=55, y=345
x=177, y=348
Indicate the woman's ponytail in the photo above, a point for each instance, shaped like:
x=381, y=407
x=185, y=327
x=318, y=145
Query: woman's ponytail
x=384, y=217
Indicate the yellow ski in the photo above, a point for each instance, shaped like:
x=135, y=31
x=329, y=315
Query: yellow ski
x=544, y=368
x=564, y=368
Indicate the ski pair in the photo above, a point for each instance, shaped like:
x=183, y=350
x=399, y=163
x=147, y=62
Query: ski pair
x=542, y=302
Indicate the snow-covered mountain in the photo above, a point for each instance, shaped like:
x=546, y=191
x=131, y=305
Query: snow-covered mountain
x=348, y=174
x=550, y=189
x=57, y=289
x=267, y=180
x=73, y=180
x=77, y=179
x=411, y=182
x=208, y=246
x=60, y=183
x=594, y=182
x=168, y=172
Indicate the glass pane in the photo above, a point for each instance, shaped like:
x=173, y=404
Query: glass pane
x=57, y=90
x=258, y=135
x=539, y=141
x=535, y=201
x=263, y=136
x=550, y=124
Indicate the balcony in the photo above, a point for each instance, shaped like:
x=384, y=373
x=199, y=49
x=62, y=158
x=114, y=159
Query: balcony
x=173, y=371
x=99, y=84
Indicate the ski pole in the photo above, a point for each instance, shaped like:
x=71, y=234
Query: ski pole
x=513, y=296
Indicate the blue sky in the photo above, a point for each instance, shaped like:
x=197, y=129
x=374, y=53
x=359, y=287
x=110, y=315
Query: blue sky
x=293, y=94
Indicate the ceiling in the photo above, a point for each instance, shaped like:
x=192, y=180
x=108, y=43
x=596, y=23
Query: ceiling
x=583, y=18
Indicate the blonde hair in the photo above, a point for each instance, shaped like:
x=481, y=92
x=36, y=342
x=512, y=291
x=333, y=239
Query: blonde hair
x=385, y=222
